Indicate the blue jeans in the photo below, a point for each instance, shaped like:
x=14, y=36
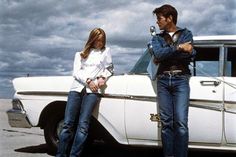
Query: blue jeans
x=173, y=99
x=78, y=112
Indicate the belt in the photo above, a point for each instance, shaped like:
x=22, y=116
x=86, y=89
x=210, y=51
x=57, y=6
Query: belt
x=173, y=72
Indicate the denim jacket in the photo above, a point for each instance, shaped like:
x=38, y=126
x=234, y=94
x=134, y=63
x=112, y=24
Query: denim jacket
x=167, y=53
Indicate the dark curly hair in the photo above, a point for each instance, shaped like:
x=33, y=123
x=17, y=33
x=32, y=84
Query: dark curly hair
x=166, y=11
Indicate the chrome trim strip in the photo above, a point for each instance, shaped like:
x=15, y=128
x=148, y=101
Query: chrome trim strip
x=206, y=104
x=230, y=107
x=130, y=97
x=37, y=93
x=209, y=146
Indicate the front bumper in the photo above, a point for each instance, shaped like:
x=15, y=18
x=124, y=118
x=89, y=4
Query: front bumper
x=17, y=116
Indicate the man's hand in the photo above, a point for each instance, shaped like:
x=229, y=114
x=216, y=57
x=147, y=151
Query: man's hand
x=186, y=47
x=156, y=61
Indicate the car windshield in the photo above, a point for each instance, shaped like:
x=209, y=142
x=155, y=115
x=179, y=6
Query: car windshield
x=141, y=66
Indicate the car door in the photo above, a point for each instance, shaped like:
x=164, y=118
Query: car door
x=206, y=97
x=230, y=95
x=140, y=106
x=206, y=101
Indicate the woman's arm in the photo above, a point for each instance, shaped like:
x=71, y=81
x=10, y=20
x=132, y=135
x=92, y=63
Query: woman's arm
x=107, y=65
x=77, y=73
x=108, y=69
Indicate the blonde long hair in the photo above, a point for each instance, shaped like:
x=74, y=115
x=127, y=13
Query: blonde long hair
x=93, y=36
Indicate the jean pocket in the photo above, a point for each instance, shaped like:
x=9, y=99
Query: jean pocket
x=161, y=76
x=184, y=77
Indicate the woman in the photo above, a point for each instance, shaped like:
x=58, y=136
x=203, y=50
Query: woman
x=92, y=67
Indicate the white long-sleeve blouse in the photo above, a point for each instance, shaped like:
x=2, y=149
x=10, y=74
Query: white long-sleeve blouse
x=98, y=63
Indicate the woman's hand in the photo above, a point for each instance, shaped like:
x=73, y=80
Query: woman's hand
x=101, y=81
x=92, y=86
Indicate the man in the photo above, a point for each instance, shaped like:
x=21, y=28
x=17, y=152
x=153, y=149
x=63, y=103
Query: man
x=173, y=50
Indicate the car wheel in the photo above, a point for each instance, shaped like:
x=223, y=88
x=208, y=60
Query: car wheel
x=52, y=131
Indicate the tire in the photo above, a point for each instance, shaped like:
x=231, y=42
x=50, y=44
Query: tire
x=52, y=130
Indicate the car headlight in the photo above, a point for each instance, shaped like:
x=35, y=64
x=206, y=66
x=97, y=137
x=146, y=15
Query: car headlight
x=16, y=104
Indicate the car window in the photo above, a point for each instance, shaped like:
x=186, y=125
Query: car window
x=206, y=62
x=231, y=62
x=141, y=66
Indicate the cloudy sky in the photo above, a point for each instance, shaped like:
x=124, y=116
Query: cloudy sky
x=41, y=37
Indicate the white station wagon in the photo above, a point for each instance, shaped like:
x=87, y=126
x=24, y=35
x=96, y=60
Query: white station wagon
x=128, y=111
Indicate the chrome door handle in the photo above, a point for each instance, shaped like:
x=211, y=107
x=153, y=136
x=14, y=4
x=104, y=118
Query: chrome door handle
x=210, y=83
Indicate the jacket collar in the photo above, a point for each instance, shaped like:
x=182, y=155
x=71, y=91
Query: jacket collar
x=177, y=29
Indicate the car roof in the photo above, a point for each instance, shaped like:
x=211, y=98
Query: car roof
x=215, y=39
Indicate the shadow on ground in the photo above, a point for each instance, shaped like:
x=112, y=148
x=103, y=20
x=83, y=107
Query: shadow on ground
x=42, y=149
x=123, y=151
x=99, y=151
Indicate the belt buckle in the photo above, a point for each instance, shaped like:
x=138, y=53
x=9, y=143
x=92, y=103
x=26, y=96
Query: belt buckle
x=172, y=72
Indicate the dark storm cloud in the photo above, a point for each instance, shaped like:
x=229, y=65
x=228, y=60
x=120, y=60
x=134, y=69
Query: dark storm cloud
x=41, y=37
